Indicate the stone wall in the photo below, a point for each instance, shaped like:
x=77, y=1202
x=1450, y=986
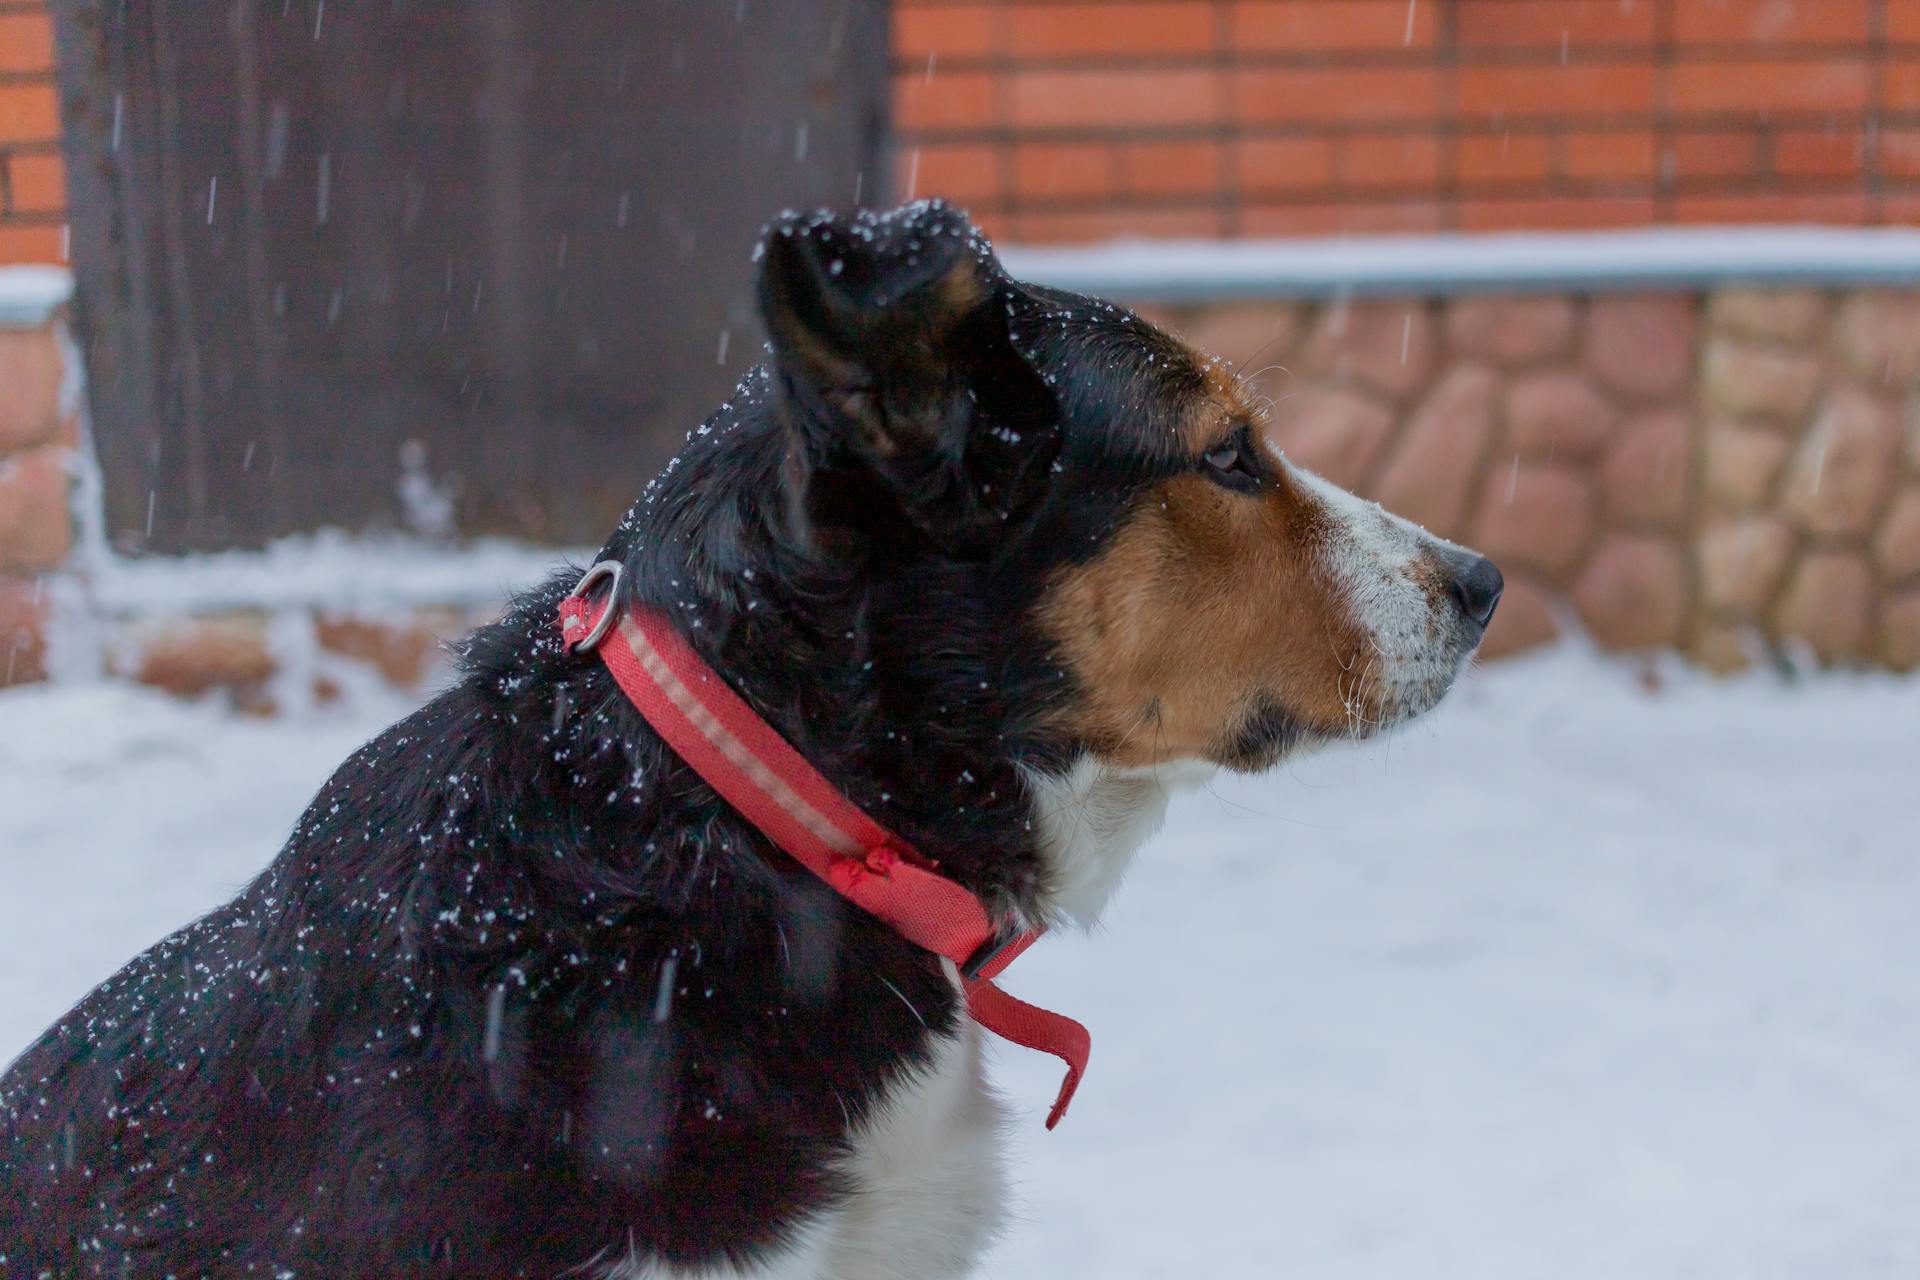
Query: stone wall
x=1733, y=473
x=36, y=530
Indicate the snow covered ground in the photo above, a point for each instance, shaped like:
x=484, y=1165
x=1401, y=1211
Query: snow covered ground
x=1575, y=978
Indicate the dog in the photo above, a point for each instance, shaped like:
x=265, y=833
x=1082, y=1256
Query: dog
x=523, y=996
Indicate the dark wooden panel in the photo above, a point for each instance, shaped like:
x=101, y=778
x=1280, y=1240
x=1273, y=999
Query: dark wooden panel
x=502, y=245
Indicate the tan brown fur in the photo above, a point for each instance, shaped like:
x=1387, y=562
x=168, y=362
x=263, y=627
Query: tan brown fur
x=1205, y=603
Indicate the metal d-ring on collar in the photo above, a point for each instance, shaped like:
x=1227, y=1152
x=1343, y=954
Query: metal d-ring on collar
x=600, y=572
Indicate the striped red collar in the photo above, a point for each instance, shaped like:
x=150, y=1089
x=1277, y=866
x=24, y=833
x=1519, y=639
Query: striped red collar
x=756, y=771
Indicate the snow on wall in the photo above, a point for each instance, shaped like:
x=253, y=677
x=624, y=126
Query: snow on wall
x=1664, y=258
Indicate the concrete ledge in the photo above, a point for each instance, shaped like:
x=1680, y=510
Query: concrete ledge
x=1658, y=258
x=30, y=295
x=327, y=570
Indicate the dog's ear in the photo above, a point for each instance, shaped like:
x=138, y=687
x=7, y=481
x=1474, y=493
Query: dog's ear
x=909, y=401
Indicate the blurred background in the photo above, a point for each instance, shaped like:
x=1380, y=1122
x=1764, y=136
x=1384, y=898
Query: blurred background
x=325, y=323
x=456, y=270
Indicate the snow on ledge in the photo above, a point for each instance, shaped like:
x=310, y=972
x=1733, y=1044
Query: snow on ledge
x=330, y=569
x=28, y=295
x=1528, y=261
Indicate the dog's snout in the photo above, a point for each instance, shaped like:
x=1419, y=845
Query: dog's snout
x=1477, y=584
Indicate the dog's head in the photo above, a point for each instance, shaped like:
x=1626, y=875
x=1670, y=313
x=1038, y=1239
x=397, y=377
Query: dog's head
x=1199, y=597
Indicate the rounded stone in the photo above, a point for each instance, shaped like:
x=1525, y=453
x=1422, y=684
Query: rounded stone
x=1523, y=621
x=1844, y=465
x=1879, y=336
x=1827, y=604
x=36, y=525
x=1900, y=631
x=193, y=656
x=404, y=653
x=1384, y=344
x=1896, y=549
x=1249, y=335
x=1633, y=593
x=1741, y=563
x=23, y=631
x=1769, y=315
x=1334, y=433
x=1556, y=415
x=1641, y=346
x=1511, y=330
x=1647, y=475
x=1427, y=478
x=30, y=370
x=1724, y=650
x=1751, y=381
x=1742, y=465
x=1536, y=515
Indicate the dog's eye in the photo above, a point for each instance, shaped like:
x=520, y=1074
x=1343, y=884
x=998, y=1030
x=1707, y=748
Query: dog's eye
x=1233, y=462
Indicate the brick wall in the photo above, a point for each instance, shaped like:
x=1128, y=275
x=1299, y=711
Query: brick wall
x=1733, y=473
x=1073, y=119
x=32, y=179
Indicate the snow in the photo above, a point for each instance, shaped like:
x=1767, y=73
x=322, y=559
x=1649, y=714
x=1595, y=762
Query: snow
x=331, y=568
x=29, y=294
x=1577, y=977
x=1633, y=258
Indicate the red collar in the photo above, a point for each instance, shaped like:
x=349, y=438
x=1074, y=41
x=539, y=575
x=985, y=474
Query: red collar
x=773, y=787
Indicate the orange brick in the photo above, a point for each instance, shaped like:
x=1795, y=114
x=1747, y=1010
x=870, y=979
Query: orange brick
x=1900, y=209
x=1900, y=85
x=29, y=113
x=38, y=182
x=1561, y=212
x=1554, y=24
x=996, y=224
x=1714, y=154
x=1806, y=153
x=1552, y=90
x=961, y=173
x=1504, y=157
x=1268, y=165
x=1102, y=30
x=1313, y=93
x=1770, y=22
x=1840, y=207
x=973, y=182
x=1903, y=20
x=956, y=32
x=1044, y=171
x=1389, y=160
x=950, y=100
x=26, y=41
x=1761, y=85
x=1108, y=224
x=1609, y=155
x=1341, y=218
x=1171, y=168
x=29, y=243
x=1044, y=99
x=1316, y=26
x=1900, y=152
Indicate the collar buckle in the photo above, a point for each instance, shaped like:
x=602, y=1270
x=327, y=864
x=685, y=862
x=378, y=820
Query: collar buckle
x=602, y=571
x=989, y=951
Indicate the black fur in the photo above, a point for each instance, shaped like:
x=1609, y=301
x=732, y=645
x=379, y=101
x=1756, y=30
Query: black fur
x=521, y=991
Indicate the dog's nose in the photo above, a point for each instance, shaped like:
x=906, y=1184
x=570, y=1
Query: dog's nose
x=1477, y=585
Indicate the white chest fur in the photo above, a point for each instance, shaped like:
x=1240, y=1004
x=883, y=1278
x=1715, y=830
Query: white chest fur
x=929, y=1189
x=1094, y=819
